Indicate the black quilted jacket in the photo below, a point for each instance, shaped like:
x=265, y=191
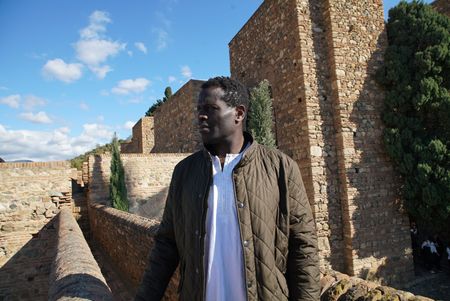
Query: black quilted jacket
x=280, y=252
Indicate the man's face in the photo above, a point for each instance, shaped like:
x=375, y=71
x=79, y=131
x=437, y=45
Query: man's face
x=217, y=121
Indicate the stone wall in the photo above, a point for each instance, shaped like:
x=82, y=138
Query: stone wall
x=442, y=6
x=143, y=139
x=176, y=121
x=126, y=240
x=75, y=273
x=320, y=58
x=147, y=179
x=31, y=194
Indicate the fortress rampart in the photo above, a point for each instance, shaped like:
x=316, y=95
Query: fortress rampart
x=176, y=122
x=320, y=58
x=143, y=138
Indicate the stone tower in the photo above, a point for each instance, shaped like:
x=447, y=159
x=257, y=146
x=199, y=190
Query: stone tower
x=320, y=57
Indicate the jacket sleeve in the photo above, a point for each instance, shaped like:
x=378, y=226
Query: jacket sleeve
x=303, y=274
x=164, y=257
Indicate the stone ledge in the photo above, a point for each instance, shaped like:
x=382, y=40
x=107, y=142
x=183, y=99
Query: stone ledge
x=338, y=286
x=75, y=274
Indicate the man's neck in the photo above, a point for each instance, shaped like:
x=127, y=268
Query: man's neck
x=234, y=146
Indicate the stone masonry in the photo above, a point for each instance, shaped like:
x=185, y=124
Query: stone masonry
x=31, y=194
x=143, y=139
x=320, y=57
x=176, y=122
x=147, y=179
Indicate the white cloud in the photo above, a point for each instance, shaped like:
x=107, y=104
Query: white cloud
x=94, y=52
x=60, y=70
x=128, y=86
x=130, y=53
x=129, y=125
x=3, y=88
x=162, y=38
x=140, y=46
x=100, y=118
x=104, y=92
x=100, y=72
x=96, y=130
x=32, y=101
x=97, y=25
x=51, y=145
x=40, y=117
x=12, y=101
x=171, y=79
x=94, y=48
x=186, y=72
x=84, y=106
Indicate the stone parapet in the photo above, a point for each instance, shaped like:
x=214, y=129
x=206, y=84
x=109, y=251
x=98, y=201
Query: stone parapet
x=126, y=239
x=337, y=286
x=75, y=275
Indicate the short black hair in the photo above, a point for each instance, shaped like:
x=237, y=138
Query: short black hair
x=236, y=93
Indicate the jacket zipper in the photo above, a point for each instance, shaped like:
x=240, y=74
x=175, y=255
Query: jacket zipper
x=240, y=233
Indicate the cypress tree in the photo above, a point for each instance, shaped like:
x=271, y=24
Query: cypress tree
x=260, y=114
x=117, y=188
x=416, y=76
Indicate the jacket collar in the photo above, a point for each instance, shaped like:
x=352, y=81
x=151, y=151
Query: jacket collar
x=248, y=155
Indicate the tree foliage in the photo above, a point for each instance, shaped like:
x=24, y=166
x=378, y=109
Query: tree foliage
x=77, y=162
x=416, y=76
x=117, y=188
x=260, y=114
x=159, y=102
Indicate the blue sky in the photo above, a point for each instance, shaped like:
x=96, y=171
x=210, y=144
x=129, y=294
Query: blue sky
x=74, y=72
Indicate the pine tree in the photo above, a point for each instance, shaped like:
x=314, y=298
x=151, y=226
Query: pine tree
x=117, y=188
x=416, y=76
x=260, y=114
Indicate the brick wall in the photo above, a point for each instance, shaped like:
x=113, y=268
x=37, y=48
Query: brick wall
x=31, y=194
x=176, y=121
x=320, y=58
x=147, y=179
x=143, y=140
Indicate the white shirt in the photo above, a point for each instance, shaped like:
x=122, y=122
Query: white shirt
x=225, y=278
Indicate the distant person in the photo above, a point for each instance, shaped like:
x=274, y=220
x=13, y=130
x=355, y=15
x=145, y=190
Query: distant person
x=237, y=219
x=430, y=253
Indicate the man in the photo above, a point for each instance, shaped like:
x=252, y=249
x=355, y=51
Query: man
x=237, y=218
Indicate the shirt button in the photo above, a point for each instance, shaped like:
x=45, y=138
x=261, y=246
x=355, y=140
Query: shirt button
x=196, y=270
x=241, y=205
x=246, y=243
x=199, y=195
x=196, y=232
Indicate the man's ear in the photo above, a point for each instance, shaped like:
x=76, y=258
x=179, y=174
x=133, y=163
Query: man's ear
x=241, y=112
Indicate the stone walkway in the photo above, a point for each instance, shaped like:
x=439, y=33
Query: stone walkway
x=119, y=289
x=432, y=285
